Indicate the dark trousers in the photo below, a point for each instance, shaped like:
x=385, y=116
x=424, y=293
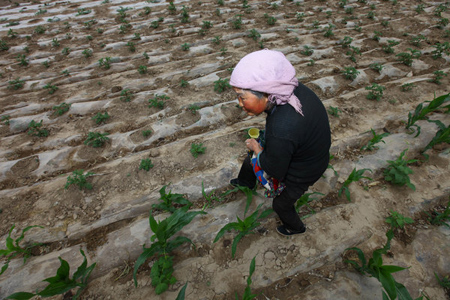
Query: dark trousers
x=283, y=204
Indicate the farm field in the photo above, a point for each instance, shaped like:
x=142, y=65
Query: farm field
x=126, y=93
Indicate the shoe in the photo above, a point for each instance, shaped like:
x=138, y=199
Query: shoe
x=287, y=232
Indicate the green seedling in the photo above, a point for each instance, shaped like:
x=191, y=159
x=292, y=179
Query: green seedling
x=46, y=64
x=375, y=140
x=375, y=91
x=376, y=67
x=346, y=41
x=354, y=176
x=330, y=166
x=405, y=58
x=163, y=244
x=210, y=198
x=334, y=111
x=417, y=40
x=376, y=36
x=270, y=20
x=126, y=95
x=442, y=136
x=352, y=52
x=421, y=112
x=146, y=56
x=146, y=164
x=40, y=29
x=12, y=23
x=350, y=73
x=12, y=34
x=87, y=53
x=315, y=24
x=397, y=220
x=185, y=46
x=440, y=48
x=221, y=85
x=444, y=282
x=61, y=282
x=61, y=109
x=158, y=101
x=197, y=149
x=385, y=23
x=237, y=22
x=169, y=200
x=311, y=63
x=349, y=10
x=371, y=15
x=15, y=84
x=131, y=46
x=55, y=43
x=13, y=248
x=383, y=273
x=307, y=50
x=438, y=75
x=223, y=51
x=146, y=11
x=89, y=37
x=142, y=70
x=79, y=179
x=398, y=172
x=23, y=61
x=100, y=118
x=304, y=201
x=3, y=46
x=146, y=133
x=96, y=139
x=100, y=30
x=34, y=129
x=65, y=51
x=244, y=227
x=184, y=15
x=26, y=49
x=171, y=8
x=83, y=11
x=248, y=292
x=442, y=23
x=439, y=219
x=51, y=88
x=105, y=62
x=329, y=31
x=300, y=16
x=254, y=34
x=388, y=48
x=137, y=36
x=184, y=83
x=440, y=9
x=206, y=25
x=420, y=8
x=5, y=119
x=193, y=108
x=217, y=39
x=407, y=87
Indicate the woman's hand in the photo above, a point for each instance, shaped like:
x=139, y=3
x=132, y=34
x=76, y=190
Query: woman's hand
x=253, y=145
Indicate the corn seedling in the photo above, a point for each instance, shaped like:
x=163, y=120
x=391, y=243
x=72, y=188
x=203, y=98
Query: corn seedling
x=51, y=88
x=352, y=52
x=334, y=111
x=440, y=48
x=34, y=129
x=169, y=200
x=100, y=118
x=79, y=179
x=65, y=51
x=383, y=273
x=61, y=109
x=146, y=164
x=440, y=9
x=375, y=140
x=442, y=136
x=197, y=149
x=26, y=49
x=375, y=91
x=65, y=72
x=5, y=119
x=385, y=23
x=311, y=63
x=61, y=282
x=421, y=112
x=105, y=62
x=96, y=139
x=12, y=23
x=23, y=61
x=354, y=176
x=16, y=84
x=444, y=282
x=184, y=83
x=155, y=24
x=210, y=198
x=398, y=172
x=248, y=292
x=221, y=85
x=158, y=101
x=13, y=248
x=244, y=227
x=217, y=39
x=439, y=219
x=350, y=73
x=184, y=15
x=371, y=15
x=388, y=48
x=162, y=245
x=249, y=193
x=304, y=201
x=405, y=58
x=145, y=55
x=407, y=87
x=397, y=220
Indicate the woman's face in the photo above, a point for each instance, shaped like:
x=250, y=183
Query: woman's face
x=250, y=103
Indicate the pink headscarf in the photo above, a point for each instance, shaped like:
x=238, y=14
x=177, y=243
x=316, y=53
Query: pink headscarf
x=269, y=72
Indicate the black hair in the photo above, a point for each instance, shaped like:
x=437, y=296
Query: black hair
x=258, y=94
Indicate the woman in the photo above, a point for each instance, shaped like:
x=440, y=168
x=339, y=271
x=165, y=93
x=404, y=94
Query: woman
x=297, y=134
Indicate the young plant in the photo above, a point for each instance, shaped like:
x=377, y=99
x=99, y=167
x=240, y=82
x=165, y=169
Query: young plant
x=439, y=219
x=158, y=101
x=329, y=31
x=440, y=48
x=354, y=176
x=398, y=172
x=197, y=149
x=142, y=70
x=16, y=84
x=442, y=136
x=346, y=41
x=438, y=75
x=221, y=85
x=376, y=67
x=405, y=58
x=34, y=129
x=61, y=282
x=254, y=34
x=146, y=133
x=352, y=52
x=162, y=245
x=79, y=179
x=51, y=88
x=376, y=91
x=184, y=83
x=169, y=200
x=407, y=87
x=194, y=108
x=334, y=111
x=304, y=201
x=375, y=140
x=61, y=109
x=416, y=40
x=237, y=22
x=210, y=198
x=105, y=62
x=65, y=51
x=184, y=15
x=248, y=292
x=40, y=29
x=12, y=34
x=307, y=50
x=172, y=9
x=96, y=139
x=126, y=95
x=87, y=53
x=445, y=282
x=3, y=46
x=146, y=164
x=23, y=61
x=100, y=118
x=397, y=220
x=388, y=48
x=217, y=39
x=244, y=227
x=350, y=73
x=13, y=248
x=5, y=119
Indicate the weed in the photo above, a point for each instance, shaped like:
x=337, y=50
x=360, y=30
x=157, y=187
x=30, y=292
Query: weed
x=442, y=136
x=375, y=140
x=388, y=48
x=23, y=61
x=397, y=220
x=334, y=111
x=65, y=51
x=40, y=29
x=398, y=172
x=83, y=11
x=34, y=129
x=304, y=201
x=96, y=139
x=79, y=179
x=376, y=66
x=197, y=149
x=350, y=73
x=158, y=101
x=439, y=219
x=244, y=227
x=16, y=84
x=185, y=46
x=13, y=248
x=105, y=62
x=407, y=87
x=51, y=88
x=162, y=245
x=146, y=164
x=354, y=176
x=237, y=22
x=254, y=34
x=61, y=109
x=376, y=91
x=5, y=119
x=61, y=282
x=221, y=85
x=146, y=133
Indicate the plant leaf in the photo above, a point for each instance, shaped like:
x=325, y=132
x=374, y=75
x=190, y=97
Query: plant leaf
x=21, y=296
x=182, y=292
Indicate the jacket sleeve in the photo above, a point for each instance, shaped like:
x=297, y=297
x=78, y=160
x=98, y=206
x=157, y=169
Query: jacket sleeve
x=276, y=156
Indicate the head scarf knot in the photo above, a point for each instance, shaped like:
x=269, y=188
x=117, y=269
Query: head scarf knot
x=269, y=72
